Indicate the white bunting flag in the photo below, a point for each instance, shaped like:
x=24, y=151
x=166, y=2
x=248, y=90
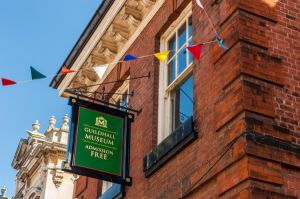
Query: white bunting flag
x=100, y=70
x=199, y=4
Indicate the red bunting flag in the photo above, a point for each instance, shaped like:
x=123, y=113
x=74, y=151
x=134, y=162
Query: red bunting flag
x=65, y=70
x=196, y=50
x=7, y=82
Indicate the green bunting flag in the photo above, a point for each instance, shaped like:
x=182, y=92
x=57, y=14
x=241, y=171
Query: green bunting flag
x=36, y=74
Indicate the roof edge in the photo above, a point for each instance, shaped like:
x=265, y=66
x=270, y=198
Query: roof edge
x=83, y=39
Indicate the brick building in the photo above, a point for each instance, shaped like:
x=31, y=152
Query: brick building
x=226, y=126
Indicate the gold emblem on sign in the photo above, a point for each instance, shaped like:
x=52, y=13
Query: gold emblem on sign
x=101, y=121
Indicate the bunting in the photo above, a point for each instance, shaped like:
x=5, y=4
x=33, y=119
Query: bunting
x=36, y=74
x=129, y=57
x=196, y=50
x=7, y=82
x=100, y=70
x=200, y=4
x=162, y=56
x=220, y=42
x=65, y=70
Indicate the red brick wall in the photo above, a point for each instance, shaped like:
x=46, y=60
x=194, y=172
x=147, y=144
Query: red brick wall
x=87, y=188
x=252, y=87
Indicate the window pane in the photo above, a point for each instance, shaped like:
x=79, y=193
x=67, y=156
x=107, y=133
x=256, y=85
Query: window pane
x=172, y=47
x=182, y=35
x=105, y=186
x=182, y=60
x=184, y=102
x=190, y=27
x=171, y=71
x=123, y=104
x=113, y=192
x=124, y=100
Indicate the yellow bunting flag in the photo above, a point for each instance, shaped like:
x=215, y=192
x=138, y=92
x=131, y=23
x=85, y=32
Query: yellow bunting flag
x=162, y=56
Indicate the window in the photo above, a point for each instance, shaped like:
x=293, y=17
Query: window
x=179, y=58
x=105, y=186
x=182, y=103
x=121, y=96
x=113, y=192
x=176, y=100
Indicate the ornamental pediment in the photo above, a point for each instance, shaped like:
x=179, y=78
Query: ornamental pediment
x=116, y=31
x=21, y=150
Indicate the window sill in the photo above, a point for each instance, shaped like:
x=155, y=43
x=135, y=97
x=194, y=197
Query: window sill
x=169, y=147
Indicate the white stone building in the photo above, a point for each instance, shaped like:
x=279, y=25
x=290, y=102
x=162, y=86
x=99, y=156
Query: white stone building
x=38, y=161
x=3, y=193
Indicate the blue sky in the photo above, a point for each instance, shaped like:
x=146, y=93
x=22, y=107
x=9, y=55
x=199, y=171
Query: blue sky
x=39, y=34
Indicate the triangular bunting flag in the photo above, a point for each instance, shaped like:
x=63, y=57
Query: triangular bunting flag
x=7, y=82
x=36, y=74
x=100, y=70
x=200, y=4
x=196, y=50
x=162, y=56
x=220, y=42
x=65, y=70
x=129, y=57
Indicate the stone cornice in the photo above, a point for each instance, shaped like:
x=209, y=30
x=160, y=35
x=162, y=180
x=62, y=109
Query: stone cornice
x=115, y=33
x=32, y=157
x=83, y=39
x=21, y=147
x=19, y=193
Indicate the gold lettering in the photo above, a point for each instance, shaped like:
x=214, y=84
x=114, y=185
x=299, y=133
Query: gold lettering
x=100, y=133
x=98, y=149
x=99, y=139
x=99, y=155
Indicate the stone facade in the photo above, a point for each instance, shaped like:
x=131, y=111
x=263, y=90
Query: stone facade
x=246, y=99
x=38, y=161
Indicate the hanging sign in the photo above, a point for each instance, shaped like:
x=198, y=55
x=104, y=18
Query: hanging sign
x=99, y=142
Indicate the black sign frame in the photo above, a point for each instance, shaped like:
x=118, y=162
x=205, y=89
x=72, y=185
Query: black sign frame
x=69, y=164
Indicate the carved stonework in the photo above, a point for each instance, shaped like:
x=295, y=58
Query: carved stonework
x=3, y=193
x=123, y=26
x=38, y=159
x=58, y=178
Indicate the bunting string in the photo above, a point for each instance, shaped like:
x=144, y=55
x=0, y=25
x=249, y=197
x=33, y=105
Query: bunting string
x=100, y=70
x=210, y=21
x=111, y=82
x=219, y=40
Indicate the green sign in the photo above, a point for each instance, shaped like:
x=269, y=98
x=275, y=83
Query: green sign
x=99, y=141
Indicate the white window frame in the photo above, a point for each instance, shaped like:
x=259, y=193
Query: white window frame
x=164, y=98
x=105, y=186
x=122, y=89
